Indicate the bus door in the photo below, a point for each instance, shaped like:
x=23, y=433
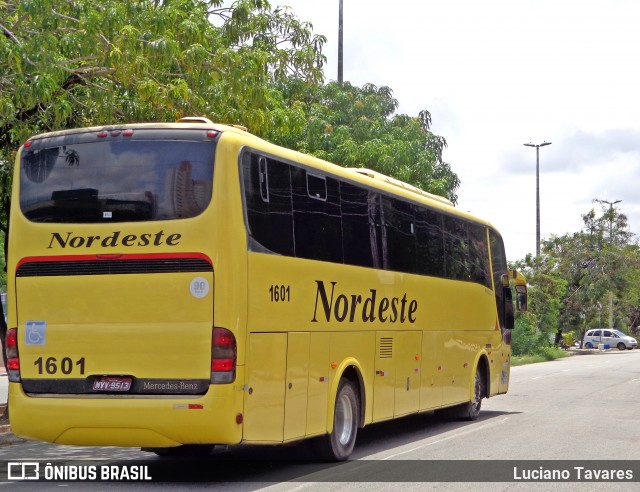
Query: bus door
x=287, y=386
x=408, y=368
x=431, y=370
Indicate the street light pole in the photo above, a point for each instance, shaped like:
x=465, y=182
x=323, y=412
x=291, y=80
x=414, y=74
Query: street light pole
x=611, y=204
x=537, y=146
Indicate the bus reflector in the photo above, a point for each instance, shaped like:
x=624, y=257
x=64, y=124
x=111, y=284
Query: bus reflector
x=13, y=359
x=223, y=356
x=218, y=365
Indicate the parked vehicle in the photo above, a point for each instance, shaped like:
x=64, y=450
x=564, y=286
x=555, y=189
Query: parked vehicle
x=609, y=338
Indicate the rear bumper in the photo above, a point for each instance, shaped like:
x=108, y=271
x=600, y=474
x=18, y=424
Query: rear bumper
x=135, y=422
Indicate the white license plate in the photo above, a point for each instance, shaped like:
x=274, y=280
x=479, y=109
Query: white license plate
x=112, y=384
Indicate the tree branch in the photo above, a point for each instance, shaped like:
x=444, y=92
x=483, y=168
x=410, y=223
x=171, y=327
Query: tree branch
x=65, y=16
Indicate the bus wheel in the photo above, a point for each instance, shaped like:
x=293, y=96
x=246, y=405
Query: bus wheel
x=338, y=445
x=478, y=395
x=471, y=409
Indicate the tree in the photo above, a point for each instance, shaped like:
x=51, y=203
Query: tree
x=587, y=279
x=546, y=293
x=70, y=63
x=356, y=127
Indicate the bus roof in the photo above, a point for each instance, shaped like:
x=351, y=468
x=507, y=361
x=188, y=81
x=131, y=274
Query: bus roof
x=364, y=176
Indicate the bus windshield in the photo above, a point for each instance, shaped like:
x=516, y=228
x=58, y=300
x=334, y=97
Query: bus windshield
x=83, y=179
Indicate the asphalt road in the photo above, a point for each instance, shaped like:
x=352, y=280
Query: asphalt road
x=583, y=409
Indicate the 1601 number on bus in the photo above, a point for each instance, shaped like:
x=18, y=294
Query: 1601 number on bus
x=52, y=365
x=280, y=293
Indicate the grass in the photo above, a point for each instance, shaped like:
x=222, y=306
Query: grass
x=548, y=353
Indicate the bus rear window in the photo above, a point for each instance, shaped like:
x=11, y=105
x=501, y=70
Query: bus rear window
x=80, y=179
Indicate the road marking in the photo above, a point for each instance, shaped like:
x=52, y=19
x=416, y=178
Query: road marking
x=469, y=430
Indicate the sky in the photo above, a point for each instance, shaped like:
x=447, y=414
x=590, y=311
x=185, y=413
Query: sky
x=496, y=74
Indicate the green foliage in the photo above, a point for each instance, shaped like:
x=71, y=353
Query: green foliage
x=356, y=127
x=75, y=63
x=568, y=338
x=525, y=339
x=549, y=353
x=600, y=264
x=546, y=293
x=582, y=280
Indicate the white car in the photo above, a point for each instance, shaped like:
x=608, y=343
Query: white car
x=609, y=338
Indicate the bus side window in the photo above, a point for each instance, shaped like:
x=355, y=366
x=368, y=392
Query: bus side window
x=456, y=249
x=264, y=179
x=521, y=298
x=316, y=187
x=316, y=216
x=504, y=300
x=267, y=189
x=430, y=243
x=479, y=255
x=360, y=235
x=509, y=317
x=399, y=235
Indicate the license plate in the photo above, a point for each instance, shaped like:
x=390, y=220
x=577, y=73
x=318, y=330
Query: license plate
x=112, y=384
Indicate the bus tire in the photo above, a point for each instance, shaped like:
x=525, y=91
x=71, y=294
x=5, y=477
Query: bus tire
x=479, y=392
x=338, y=445
x=471, y=409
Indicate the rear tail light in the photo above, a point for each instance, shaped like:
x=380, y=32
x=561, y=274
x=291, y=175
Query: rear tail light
x=223, y=356
x=13, y=360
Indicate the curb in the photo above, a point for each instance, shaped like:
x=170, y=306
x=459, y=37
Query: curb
x=593, y=351
x=4, y=428
x=6, y=436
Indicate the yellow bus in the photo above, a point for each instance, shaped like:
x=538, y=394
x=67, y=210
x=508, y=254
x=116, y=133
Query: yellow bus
x=182, y=285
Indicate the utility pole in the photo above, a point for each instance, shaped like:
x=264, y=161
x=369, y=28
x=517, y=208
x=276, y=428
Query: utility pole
x=340, y=49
